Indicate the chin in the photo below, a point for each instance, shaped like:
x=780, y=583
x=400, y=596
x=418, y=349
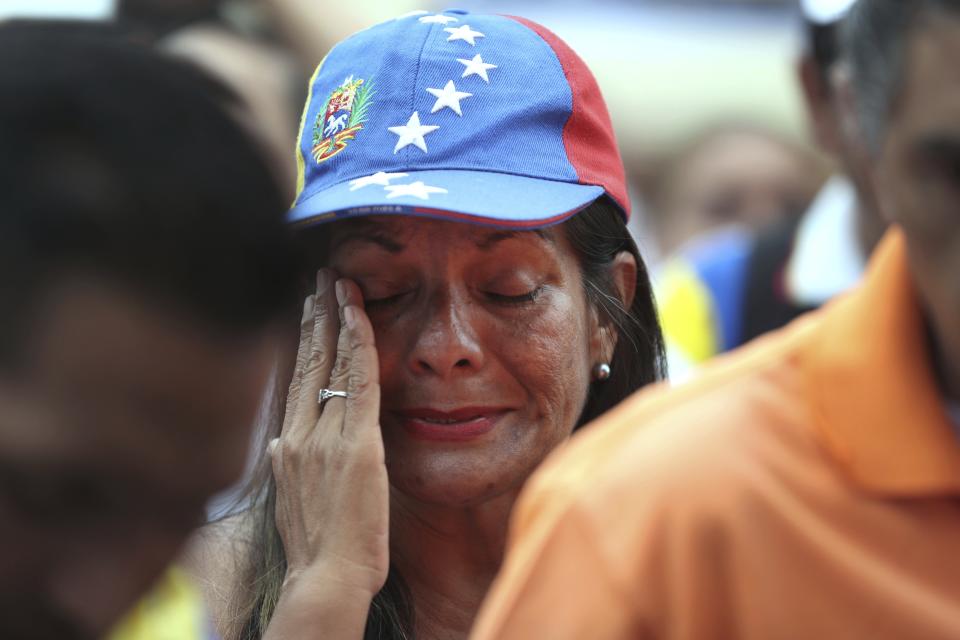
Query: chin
x=451, y=480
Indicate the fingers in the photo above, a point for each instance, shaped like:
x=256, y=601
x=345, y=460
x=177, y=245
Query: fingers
x=318, y=330
x=363, y=382
x=356, y=370
x=303, y=352
x=320, y=358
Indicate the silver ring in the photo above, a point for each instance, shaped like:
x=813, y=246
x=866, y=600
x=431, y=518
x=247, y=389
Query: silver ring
x=326, y=394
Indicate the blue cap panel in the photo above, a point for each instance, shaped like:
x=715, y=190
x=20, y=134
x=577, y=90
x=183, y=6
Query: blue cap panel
x=512, y=124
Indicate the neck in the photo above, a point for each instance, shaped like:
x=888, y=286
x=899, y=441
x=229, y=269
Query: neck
x=448, y=557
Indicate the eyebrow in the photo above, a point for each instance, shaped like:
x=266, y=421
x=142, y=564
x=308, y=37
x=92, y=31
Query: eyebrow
x=368, y=233
x=374, y=237
x=488, y=242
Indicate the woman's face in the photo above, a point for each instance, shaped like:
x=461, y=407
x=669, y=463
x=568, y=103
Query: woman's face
x=486, y=344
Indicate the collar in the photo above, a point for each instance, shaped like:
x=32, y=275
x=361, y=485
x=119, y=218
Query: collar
x=872, y=386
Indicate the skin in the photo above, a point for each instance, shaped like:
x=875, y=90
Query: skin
x=917, y=178
x=450, y=310
x=112, y=438
x=449, y=334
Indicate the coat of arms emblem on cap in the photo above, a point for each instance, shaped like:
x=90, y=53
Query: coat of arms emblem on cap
x=341, y=118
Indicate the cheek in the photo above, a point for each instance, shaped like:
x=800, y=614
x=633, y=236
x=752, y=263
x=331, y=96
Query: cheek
x=549, y=356
x=541, y=355
x=391, y=338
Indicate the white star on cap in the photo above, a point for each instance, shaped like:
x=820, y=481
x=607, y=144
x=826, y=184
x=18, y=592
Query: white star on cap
x=476, y=67
x=379, y=178
x=448, y=97
x=412, y=133
x=438, y=18
x=415, y=190
x=464, y=33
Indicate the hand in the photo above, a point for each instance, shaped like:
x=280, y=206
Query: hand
x=332, y=506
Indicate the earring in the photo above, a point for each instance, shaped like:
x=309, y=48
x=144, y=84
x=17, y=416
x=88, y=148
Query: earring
x=601, y=372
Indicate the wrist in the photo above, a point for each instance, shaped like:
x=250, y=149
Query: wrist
x=314, y=597
x=329, y=576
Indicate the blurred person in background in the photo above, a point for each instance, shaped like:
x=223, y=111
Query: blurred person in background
x=262, y=49
x=232, y=40
x=731, y=287
x=732, y=175
x=807, y=486
x=143, y=265
x=463, y=197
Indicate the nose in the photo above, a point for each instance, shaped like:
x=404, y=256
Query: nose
x=447, y=343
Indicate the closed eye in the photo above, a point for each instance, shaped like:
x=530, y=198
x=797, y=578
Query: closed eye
x=384, y=302
x=525, y=298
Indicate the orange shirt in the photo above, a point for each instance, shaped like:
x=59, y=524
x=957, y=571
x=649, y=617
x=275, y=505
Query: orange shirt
x=805, y=487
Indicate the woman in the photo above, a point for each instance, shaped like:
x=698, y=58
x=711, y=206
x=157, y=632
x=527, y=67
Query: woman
x=478, y=240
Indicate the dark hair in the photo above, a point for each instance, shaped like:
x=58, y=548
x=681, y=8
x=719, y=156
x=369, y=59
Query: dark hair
x=117, y=160
x=598, y=234
x=873, y=42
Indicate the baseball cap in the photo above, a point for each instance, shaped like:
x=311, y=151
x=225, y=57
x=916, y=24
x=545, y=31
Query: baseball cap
x=481, y=118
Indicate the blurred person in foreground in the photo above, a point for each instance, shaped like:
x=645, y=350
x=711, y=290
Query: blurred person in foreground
x=730, y=287
x=143, y=265
x=805, y=486
x=478, y=297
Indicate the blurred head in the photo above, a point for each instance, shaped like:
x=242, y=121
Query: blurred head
x=905, y=89
x=143, y=264
x=732, y=174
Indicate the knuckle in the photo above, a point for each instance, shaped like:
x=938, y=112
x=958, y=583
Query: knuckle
x=295, y=384
x=321, y=316
x=319, y=360
x=357, y=341
x=306, y=326
x=288, y=450
x=340, y=369
x=359, y=383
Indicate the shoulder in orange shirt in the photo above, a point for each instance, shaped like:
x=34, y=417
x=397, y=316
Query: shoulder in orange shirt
x=803, y=488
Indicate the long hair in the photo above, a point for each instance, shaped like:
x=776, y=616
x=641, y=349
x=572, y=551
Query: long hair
x=598, y=234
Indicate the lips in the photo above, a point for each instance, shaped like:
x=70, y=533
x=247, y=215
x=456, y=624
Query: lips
x=454, y=425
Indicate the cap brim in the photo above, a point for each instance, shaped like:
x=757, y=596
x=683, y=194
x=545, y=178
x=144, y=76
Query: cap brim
x=494, y=199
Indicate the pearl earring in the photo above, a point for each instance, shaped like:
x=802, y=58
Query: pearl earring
x=601, y=372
